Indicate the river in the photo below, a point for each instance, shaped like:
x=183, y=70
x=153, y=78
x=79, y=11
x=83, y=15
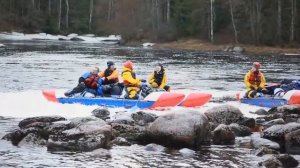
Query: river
x=27, y=67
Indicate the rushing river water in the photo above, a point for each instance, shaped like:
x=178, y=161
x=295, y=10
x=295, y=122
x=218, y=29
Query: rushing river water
x=28, y=67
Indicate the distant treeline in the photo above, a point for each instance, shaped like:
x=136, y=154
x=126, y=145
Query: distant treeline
x=260, y=22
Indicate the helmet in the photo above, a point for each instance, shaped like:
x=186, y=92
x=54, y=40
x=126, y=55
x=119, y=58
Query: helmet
x=110, y=63
x=128, y=64
x=256, y=65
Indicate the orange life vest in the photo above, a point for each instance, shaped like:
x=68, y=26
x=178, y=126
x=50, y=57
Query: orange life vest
x=255, y=78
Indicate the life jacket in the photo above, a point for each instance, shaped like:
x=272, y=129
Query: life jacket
x=91, y=81
x=255, y=78
x=107, y=73
x=126, y=83
x=158, y=77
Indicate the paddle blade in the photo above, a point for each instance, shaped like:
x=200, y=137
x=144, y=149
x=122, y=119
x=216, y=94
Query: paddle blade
x=50, y=95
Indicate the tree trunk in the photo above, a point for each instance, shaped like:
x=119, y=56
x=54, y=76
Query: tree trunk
x=32, y=1
x=157, y=14
x=279, y=23
x=233, y=23
x=49, y=7
x=258, y=20
x=153, y=15
x=211, y=22
x=292, y=29
x=67, y=14
x=91, y=14
x=168, y=11
x=59, y=15
x=110, y=4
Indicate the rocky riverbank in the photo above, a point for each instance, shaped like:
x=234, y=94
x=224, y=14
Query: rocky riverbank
x=274, y=135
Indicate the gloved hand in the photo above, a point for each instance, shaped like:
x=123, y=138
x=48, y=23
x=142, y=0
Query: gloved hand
x=252, y=87
x=143, y=81
x=259, y=89
x=154, y=84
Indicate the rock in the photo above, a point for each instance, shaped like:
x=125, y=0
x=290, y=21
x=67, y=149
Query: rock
x=75, y=122
x=248, y=122
x=15, y=137
x=288, y=160
x=273, y=122
x=33, y=139
x=187, y=153
x=123, y=117
x=264, y=151
x=129, y=132
x=187, y=128
x=45, y=119
x=76, y=39
x=258, y=142
x=120, y=141
x=287, y=109
x=272, y=162
x=240, y=130
x=223, y=135
x=238, y=49
x=289, y=113
x=228, y=49
x=277, y=132
x=86, y=136
x=2, y=118
x=154, y=147
x=58, y=127
x=224, y=114
x=101, y=113
x=261, y=112
x=99, y=153
x=143, y=118
x=292, y=142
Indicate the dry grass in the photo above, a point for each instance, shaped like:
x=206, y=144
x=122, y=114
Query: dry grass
x=193, y=44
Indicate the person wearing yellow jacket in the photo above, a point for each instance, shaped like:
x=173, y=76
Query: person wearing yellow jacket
x=131, y=84
x=255, y=81
x=158, y=78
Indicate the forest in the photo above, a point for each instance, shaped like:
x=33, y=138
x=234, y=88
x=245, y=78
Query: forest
x=258, y=22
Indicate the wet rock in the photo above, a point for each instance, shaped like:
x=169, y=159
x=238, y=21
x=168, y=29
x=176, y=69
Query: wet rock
x=101, y=113
x=287, y=109
x=130, y=133
x=277, y=132
x=143, y=118
x=224, y=114
x=248, y=122
x=74, y=122
x=240, y=130
x=223, y=135
x=289, y=113
x=76, y=39
x=2, y=118
x=86, y=136
x=58, y=127
x=261, y=112
x=123, y=117
x=186, y=128
x=99, y=153
x=44, y=119
x=273, y=122
x=288, y=161
x=33, y=139
x=187, y=153
x=120, y=141
x=238, y=49
x=258, y=142
x=264, y=151
x=15, y=137
x=272, y=162
x=154, y=147
x=292, y=142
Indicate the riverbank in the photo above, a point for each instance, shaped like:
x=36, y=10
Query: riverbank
x=194, y=44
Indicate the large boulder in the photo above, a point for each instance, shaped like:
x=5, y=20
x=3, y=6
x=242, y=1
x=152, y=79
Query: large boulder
x=15, y=136
x=258, y=142
x=289, y=113
x=123, y=117
x=265, y=151
x=154, y=148
x=120, y=142
x=277, y=132
x=142, y=118
x=240, y=130
x=132, y=133
x=273, y=122
x=87, y=136
x=33, y=139
x=187, y=128
x=101, y=113
x=28, y=122
x=223, y=135
x=224, y=114
x=287, y=109
x=292, y=142
x=288, y=160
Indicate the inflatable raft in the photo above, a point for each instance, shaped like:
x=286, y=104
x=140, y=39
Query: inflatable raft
x=153, y=100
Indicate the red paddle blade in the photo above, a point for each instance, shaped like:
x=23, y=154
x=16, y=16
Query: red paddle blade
x=50, y=95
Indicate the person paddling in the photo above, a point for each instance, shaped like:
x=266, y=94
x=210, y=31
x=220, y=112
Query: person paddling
x=88, y=82
x=158, y=78
x=255, y=81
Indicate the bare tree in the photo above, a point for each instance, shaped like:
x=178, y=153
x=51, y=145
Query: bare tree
x=32, y=1
x=67, y=14
x=49, y=7
x=91, y=14
x=279, y=20
x=59, y=15
x=292, y=29
x=233, y=23
x=110, y=6
x=168, y=11
x=211, y=21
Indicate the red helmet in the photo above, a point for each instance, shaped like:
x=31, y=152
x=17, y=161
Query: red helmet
x=256, y=64
x=128, y=64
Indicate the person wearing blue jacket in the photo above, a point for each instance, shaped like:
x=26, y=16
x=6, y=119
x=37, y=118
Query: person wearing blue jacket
x=88, y=82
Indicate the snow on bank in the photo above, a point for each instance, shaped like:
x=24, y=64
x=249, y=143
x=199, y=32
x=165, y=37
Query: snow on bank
x=2, y=45
x=90, y=38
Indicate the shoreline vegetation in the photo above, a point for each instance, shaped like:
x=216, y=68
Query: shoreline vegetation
x=199, y=45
